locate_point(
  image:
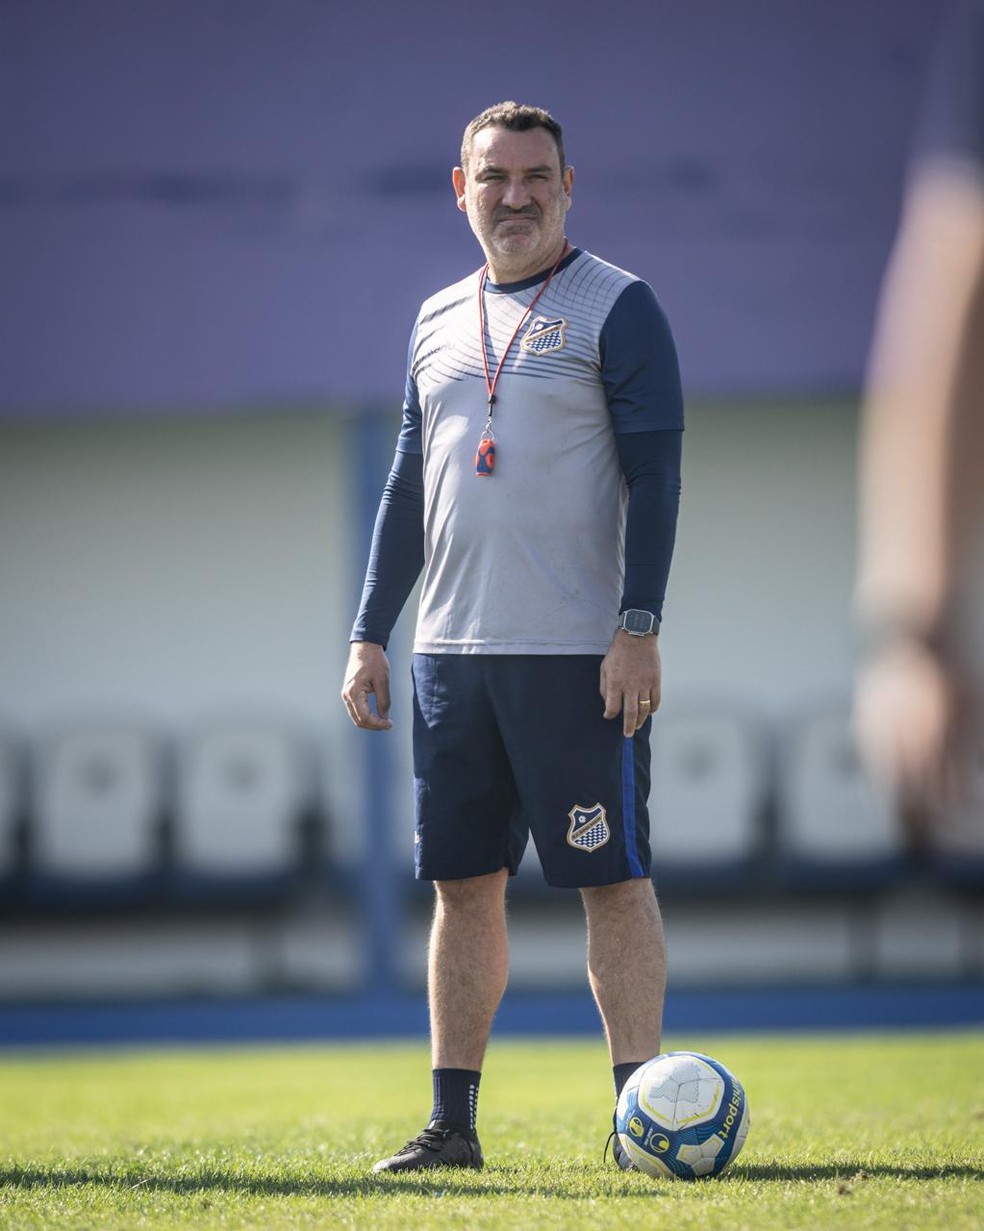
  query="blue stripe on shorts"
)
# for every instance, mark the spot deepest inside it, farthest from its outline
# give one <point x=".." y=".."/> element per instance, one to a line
<point x="629" y="807"/>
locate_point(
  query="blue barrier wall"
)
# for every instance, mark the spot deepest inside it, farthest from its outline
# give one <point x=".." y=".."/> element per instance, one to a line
<point x="207" y="204"/>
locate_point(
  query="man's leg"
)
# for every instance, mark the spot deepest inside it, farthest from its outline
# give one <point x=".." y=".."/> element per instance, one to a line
<point x="627" y="972"/>
<point x="627" y="966"/>
<point x="468" y="964"/>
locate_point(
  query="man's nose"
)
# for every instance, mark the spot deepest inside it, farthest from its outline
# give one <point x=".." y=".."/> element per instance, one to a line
<point x="517" y="194"/>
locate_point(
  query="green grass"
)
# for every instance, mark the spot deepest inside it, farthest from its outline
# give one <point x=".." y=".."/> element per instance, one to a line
<point x="847" y="1132"/>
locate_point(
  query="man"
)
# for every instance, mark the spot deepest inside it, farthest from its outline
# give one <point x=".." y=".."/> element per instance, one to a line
<point x="922" y="449"/>
<point x="541" y="435"/>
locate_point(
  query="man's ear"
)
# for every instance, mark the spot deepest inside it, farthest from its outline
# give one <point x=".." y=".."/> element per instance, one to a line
<point x="458" y="180"/>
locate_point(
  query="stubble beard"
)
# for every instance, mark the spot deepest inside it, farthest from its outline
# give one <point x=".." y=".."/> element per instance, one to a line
<point x="519" y="253"/>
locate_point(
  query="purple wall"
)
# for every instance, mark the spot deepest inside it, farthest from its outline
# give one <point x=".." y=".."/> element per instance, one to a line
<point x="234" y="203"/>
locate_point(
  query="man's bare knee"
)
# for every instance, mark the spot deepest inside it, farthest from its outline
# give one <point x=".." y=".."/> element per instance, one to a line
<point x="622" y="895"/>
<point x="471" y="891"/>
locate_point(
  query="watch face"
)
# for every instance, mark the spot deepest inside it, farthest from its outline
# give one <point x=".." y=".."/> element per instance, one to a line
<point x="638" y="622"/>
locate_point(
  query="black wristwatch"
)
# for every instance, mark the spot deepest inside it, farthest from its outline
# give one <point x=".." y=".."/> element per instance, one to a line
<point x="638" y="623"/>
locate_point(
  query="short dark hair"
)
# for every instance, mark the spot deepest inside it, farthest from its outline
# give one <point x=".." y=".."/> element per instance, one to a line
<point x="518" y="117"/>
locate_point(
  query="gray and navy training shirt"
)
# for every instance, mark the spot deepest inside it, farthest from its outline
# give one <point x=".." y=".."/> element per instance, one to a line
<point x="538" y="557"/>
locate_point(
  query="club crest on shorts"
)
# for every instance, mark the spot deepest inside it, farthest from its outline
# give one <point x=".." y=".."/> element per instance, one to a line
<point x="545" y="334"/>
<point x="588" y="828"/>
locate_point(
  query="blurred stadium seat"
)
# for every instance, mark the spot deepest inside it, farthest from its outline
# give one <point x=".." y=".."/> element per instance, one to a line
<point x="835" y="830"/>
<point x="96" y="813"/>
<point x="709" y="789"/>
<point x="957" y="837"/>
<point x="243" y="811"/>
<point x="10" y="813"/>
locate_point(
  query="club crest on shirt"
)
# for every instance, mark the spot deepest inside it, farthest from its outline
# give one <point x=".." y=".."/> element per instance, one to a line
<point x="545" y="334"/>
<point x="588" y="828"/>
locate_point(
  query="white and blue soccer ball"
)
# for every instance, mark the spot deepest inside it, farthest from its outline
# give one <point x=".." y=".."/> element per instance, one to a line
<point x="682" y="1115"/>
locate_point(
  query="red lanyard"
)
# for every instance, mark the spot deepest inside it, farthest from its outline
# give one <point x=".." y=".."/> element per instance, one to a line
<point x="490" y="380"/>
<point x="485" y="457"/>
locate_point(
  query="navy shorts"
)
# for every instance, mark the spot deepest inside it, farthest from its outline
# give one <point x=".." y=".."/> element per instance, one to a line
<point x="505" y="746"/>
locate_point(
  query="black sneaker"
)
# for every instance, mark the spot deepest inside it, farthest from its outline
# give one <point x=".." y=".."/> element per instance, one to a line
<point x="618" y="1151"/>
<point x="441" y="1144"/>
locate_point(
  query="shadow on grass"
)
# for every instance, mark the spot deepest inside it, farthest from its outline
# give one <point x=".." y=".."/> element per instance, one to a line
<point x="849" y="1171"/>
<point x="502" y="1181"/>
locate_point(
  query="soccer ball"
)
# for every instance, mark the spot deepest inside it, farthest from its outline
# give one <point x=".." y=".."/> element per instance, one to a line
<point x="682" y="1115"/>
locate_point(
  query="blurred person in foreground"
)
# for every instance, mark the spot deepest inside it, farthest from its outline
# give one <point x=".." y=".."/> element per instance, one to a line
<point x="922" y="452"/>
<point x="536" y="482"/>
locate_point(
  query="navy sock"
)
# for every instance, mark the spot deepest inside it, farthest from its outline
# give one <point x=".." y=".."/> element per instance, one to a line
<point x="622" y="1073"/>
<point x="456" y="1096"/>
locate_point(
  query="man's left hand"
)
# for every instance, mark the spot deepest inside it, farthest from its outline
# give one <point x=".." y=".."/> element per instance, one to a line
<point x="630" y="679"/>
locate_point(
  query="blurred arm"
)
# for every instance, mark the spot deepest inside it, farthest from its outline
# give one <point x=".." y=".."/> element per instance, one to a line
<point x="921" y="474"/>
<point x="919" y="468"/>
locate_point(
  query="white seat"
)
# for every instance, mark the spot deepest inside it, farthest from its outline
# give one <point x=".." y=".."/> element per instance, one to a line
<point x="242" y="788"/>
<point x="97" y="803"/>
<point x="831" y="815"/>
<point x="708" y="783"/>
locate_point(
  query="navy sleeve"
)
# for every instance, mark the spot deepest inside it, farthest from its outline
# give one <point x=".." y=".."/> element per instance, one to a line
<point x="641" y="376"/>
<point x="639" y="367"/>
<point x="411" y="440"/>
<point x="397" y="552"/>
<point x="650" y="462"/>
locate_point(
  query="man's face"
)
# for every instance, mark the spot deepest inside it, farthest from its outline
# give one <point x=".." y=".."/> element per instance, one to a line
<point x="516" y="198"/>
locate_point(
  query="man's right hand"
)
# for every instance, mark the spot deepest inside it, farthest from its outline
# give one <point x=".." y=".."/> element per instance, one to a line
<point x="367" y="673"/>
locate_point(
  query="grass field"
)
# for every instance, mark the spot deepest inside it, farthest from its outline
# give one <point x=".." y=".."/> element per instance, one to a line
<point x="847" y="1132"/>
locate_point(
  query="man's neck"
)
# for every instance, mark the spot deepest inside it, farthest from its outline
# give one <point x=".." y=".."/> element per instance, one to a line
<point x="504" y="271"/>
